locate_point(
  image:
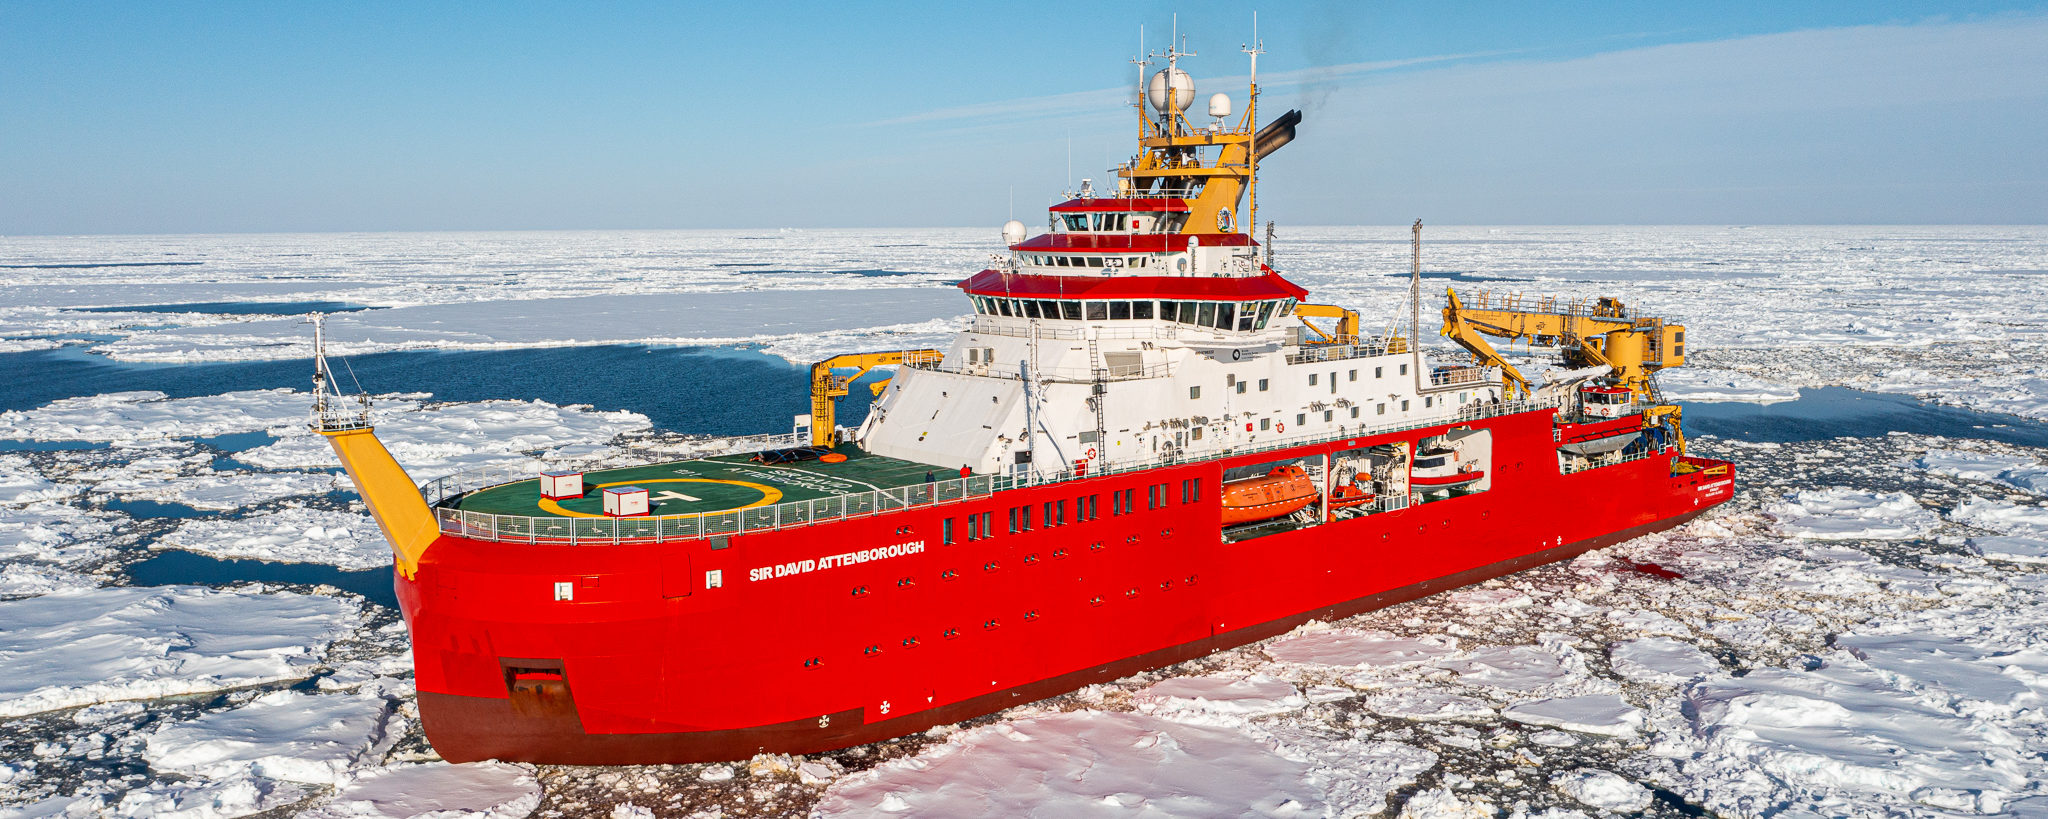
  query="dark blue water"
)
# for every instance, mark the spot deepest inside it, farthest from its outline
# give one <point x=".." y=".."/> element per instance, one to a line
<point x="153" y="509"/>
<point x="236" y="308"/>
<point x="705" y="390"/>
<point x="1832" y="412"/>
<point x="49" y="446"/>
<point x="237" y="441"/>
<point x="176" y="567"/>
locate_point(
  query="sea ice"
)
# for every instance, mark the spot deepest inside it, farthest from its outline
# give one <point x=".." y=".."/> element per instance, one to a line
<point x="456" y="437"/>
<point x="1602" y="789"/>
<point x="350" y="540"/>
<point x="311" y="738"/>
<point x="1083" y="763"/>
<point x="1228" y="694"/>
<point x="2011" y="547"/>
<point x="1428" y="705"/>
<point x="1589" y="714"/>
<point x="223" y="491"/>
<point x="435" y="790"/>
<point x="1841" y="513"/>
<point x="123" y="416"/>
<point x="1660" y="660"/>
<point x="1711" y="384"/>
<point x="20" y="483"/>
<point x="75" y="648"/>
<point x="237" y="795"/>
<point x="2018" y="472"/>
<point x="1349" y="647"/>
<point x="1515" y="668"/>
<point x="55" y="532"/>
<point x="2002" y="516"/>
<point x="24" y="579"/>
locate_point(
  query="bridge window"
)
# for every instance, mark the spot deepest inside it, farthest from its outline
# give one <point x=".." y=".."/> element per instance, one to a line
<point x="1075" y="221"/>
<point x="1246" y="316"/>
<point x="1119" y="311"/>
<point x="1206" y="314"/>
<point x="1265" y="314"/>
<point x="1097" y="311"/>
<point x="1031" y="309"/>
<point x="1141" y="309"/>
<point x="1226" y="314"/>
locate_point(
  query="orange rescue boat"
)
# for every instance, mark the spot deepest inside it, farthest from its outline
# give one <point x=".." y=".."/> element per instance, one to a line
<point x="1283" y="491"/>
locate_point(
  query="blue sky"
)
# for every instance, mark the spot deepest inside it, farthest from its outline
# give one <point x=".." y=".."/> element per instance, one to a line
<point x="226" y="117"/>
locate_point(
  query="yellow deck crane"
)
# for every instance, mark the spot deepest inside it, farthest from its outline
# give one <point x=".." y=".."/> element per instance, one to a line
<point x="827" y="386"/>
<point x="1591" y="333"/>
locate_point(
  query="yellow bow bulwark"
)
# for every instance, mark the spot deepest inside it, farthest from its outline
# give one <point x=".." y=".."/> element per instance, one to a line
<point x="393" y="499"/>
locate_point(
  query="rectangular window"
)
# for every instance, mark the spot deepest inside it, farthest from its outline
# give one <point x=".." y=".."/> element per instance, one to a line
<point x="1063" y="261"/>
<point x="1328" y="415"/>
<point x="1013" y="521"/>
<point x="1116" y="504"/>
<point x="1246" y="312"/>
<point x="1071" y="309"/>
<point x="1311" y="379"/>
<point x="1049" y="309"/>
<point x="1265" y="313"/>
<point x="1354" y="412"/>
<point x="1265" y="424"/>
<point x="1097" y="311"/>
<point x="1240" y="387"/>
<point x="1187" y="312"/>
<point x="973" y="528"/>
<point x="1169" y="311"/>
<point x="1404" y="405"/>
<point x="946" y="531"/>
<point x="1205" y="314"/>
<point x="1428" y="401"/>
<point x="1063" y="513"/>
<point x="1119" y="311"/>
<point x="1093" y="512"/>
<point x="1003" y="306"/>
<point x="1141" y="309"/>
<point x="1262" y="385"/>
<point x="1379" y="372"/>
<point x="1194" y="393"/>
<point x="1196" y="433"/>
<point x="1226" y="316"/>
<point x="1333" y="383"/>
<point x="1404" y="369"/>
<point x="1048" y="515"/>
<point x="1354" y="376"/>
<point x="1301" y="419"/>
<point x="1027" y="517"/>
<point x="1383" y="410"/>
<point x="1031" y="309"/>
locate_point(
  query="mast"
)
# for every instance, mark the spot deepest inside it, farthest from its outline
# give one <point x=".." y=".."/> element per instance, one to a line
<point x="1251" y="117"/>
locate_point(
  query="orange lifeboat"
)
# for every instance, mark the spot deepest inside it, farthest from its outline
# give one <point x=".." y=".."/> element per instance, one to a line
<point x="1283" y="491"/>
<point x="1350" y="495"/>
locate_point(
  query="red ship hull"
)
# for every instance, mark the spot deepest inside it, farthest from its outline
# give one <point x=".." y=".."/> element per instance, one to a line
<point x="646" y="665"/>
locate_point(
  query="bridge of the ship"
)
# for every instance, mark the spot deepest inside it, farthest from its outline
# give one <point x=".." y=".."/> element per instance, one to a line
<point x="712" y="485"/>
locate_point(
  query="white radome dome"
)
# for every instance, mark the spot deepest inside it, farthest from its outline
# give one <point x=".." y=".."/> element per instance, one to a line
<point x="1219" y="105"/>
<point x="1013" y="232"/>
<point x="1183" y="89"/>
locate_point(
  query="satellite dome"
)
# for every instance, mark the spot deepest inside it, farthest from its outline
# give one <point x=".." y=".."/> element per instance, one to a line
<point x="1219" y="105"/>
<point x="1013" y="232"/>
<point x="1183" y="89"/>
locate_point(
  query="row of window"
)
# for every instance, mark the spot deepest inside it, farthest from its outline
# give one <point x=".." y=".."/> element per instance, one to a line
<point x="1232" y="381"/>
<point x="981" y="525"/>
<point x="1243" y="316"/>
<point x="1119" y="222"/>
<point x="1095" y="262"/>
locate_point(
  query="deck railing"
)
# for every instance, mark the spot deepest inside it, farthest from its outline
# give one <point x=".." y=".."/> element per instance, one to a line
<point x="571" y="530"/>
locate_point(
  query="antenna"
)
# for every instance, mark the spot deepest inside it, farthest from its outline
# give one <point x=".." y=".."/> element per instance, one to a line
<point x="1251" y="119"/>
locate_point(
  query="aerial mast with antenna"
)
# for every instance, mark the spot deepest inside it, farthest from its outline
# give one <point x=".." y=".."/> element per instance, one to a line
<point x="1251" y="118"/>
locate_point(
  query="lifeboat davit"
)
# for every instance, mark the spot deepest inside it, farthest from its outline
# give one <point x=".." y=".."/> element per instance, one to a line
<point x="1350" y="495"/>
<point x="1278" y="493"/>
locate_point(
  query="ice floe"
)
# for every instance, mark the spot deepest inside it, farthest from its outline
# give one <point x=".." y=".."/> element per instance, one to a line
<point x="1349" y="647"/>
<point x="349" y="540"/>
<point x="1084" y="763"/>
<point x="435" y="790"/>
<point x="223" y="491"/>
<point x="1230" y="694"/>
<point x="2016" y="471"/>
<point x="75" y="648"/>
<point x="239" y="795"/>
<point x="123" y="416"/>
<point x="1589" y="714"/>
<point x="1842" y="513"/>
<point x="1603" y="790"/>
<point x="54" y="532"/>
<point x="456" y="437"/>
<point x="1660" y="660"/>
<point x="20" y="483"/>
<point x="310" y="738"/>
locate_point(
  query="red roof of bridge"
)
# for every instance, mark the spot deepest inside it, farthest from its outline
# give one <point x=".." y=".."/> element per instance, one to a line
<point x="1026" y="285"/>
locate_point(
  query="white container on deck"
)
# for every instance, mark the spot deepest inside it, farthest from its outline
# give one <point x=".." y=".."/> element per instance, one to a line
<point x="625" y="501"/>
<point x="561" y="485"/>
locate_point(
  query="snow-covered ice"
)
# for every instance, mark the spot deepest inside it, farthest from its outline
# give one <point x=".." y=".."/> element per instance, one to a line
<point x="457" y="437"/>
<point x="2016" y="471"/>
<point x="350" y="540"/>
<point x="20" y="483"/>
<point x="482" y="790"/>
<point x="1228" y="694"/>
<point x="1842" y="513"/>
<point x="310" y="738"/>
<point x="1590" y="714"/>
<point x="1083" y="764"/>
<point x="1660" y="660"/>
<point x="74" y="648"/>
<point x="1603" y="790"/>
<point x="124" y="416"/>
<point x="1346" y="647"/>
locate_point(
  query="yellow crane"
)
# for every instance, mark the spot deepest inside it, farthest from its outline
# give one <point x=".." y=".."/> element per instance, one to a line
<point x="1347" y="322"/>
<point x="1592" y="333"/>
<point x="827" y="386"/>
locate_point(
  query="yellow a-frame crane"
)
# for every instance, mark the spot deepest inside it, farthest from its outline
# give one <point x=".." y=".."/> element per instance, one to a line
<point x="827" y="387"/>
